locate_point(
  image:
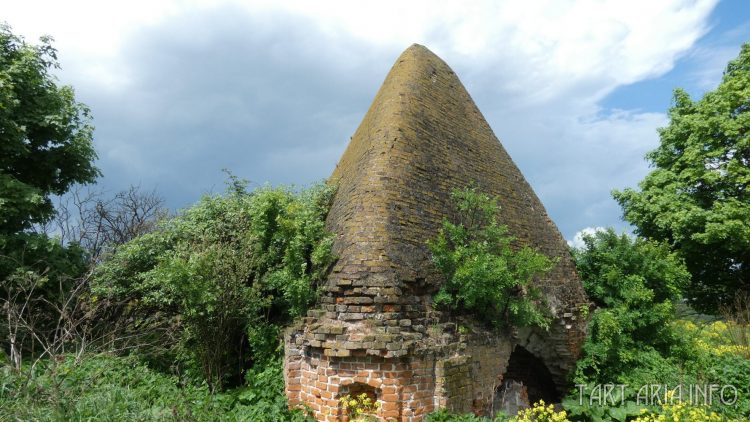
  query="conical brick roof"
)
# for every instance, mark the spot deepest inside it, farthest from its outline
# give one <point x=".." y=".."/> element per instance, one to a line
<point x="422" y="137"/>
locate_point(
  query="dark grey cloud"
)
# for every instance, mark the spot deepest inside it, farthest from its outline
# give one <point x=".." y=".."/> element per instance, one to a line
<point x="274" y="98"/>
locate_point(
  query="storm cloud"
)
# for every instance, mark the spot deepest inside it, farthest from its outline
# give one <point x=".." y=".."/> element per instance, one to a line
<point x="273" y="93"/>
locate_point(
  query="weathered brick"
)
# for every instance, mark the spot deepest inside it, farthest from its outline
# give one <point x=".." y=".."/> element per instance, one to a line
<point x="422" y="137"/>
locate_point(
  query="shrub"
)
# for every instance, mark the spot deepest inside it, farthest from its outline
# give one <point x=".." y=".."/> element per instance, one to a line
<point x="485" y="275"/>
<point x="633" y="282"/>
<point x="102" y="387"/>
<point x="634" y="338"/>
<point x="229" y="272"/>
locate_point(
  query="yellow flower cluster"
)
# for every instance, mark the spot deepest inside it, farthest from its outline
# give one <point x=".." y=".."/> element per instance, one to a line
<point x="717" y="337"/>
<point x="359" y="408"/>
<point x="682" y="413"/>
<point x="734" y="349"/>
<point x="540" y="413"/>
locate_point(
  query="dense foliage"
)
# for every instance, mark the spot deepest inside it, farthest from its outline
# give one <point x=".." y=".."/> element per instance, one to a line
<point x="634" y="337"/>
<point x="45" y="148"/>
<point x="109" y="388"/>
<point x="229" y="273"/>
<point x="45" y="134"/>
<point x="633" y="283"/>
<point x="196" y="306"/>
<point x="697" y="198"/>
<point x="484" y="274"/>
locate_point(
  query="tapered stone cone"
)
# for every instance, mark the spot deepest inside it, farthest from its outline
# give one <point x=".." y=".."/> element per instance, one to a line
<point x="422" y="137"/>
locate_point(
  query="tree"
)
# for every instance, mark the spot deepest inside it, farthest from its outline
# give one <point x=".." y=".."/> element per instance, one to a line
<point x="697" y="199"/>
<point x="100" y="223"/>
<point x="45" y="134"/>
<point x="633" y="282"/>
<point x="45" y="148"/>
<point x="484" y="275"/>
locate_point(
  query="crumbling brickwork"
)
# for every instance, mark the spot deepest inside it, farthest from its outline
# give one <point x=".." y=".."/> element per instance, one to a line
<point x="375" y="327"/>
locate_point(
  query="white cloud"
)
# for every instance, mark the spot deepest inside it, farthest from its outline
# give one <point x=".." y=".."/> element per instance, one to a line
<point x="536" y="69"/>
<point x="552" y="45"/>
<point x="577" y="241"/>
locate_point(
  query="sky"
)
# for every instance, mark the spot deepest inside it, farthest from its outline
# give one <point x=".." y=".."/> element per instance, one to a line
<point x="272" y="91"/>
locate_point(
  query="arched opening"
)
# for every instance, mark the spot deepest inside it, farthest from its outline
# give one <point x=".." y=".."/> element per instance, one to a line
<point x="362" y="400"/>
<point x="526" y="381"/>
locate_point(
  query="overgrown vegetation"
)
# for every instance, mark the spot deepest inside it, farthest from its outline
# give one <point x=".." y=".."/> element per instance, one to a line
<point x="636" y="339"/>
<point x="697" y="199"/>
<point x="538" y="412"/>
<point x="227" y="274"/>
<point x="45" y="148"/>
<point x="633" y="283"/>
<point x="114" y="310"/>
<point x="102" y="387"/>
<point x="485" y="275"/>
<point x="196" y="306"/>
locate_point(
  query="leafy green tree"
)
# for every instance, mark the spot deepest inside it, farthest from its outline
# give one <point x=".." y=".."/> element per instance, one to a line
<point x="45" y="148"/>
<point x="230" y="272"/>
<point x="633" y="282"/>
<point x="634" y="337"/>
<point x="697" y="198"/>
<point x="45" y="134"/>
<point x="484" y="274"/>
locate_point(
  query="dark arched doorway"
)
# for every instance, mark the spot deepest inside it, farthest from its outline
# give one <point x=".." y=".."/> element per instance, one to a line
<point x="526" y="381"/>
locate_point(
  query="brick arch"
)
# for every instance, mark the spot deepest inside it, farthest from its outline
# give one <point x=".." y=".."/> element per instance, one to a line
<point x="552" y="349"/>
<point x="526" y="367"/>
<point x="372" y="383"/>
<point x="526" y="380"/>
<point x="354" y="389"/>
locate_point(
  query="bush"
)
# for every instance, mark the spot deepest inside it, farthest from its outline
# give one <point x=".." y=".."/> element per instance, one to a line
<point x="633" y="282"/>
<point x="485" y="275"/>
<point x="634" y="338"/>
<point x="103" y="387"/>
<point x="228" y="272"/>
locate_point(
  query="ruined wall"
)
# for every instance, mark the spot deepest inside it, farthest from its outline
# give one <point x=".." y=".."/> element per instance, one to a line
<point x="404" y="387"/>
<point x="467" y="379"/>
<point x="461" y="376"/>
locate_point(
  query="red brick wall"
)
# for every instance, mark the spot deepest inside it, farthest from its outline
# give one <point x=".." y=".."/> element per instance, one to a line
<point x="460" y="377"/>
<point x="404" y="388"/>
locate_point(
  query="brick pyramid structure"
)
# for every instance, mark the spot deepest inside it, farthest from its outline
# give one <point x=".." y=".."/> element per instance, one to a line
<point x="375" y="330"/>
